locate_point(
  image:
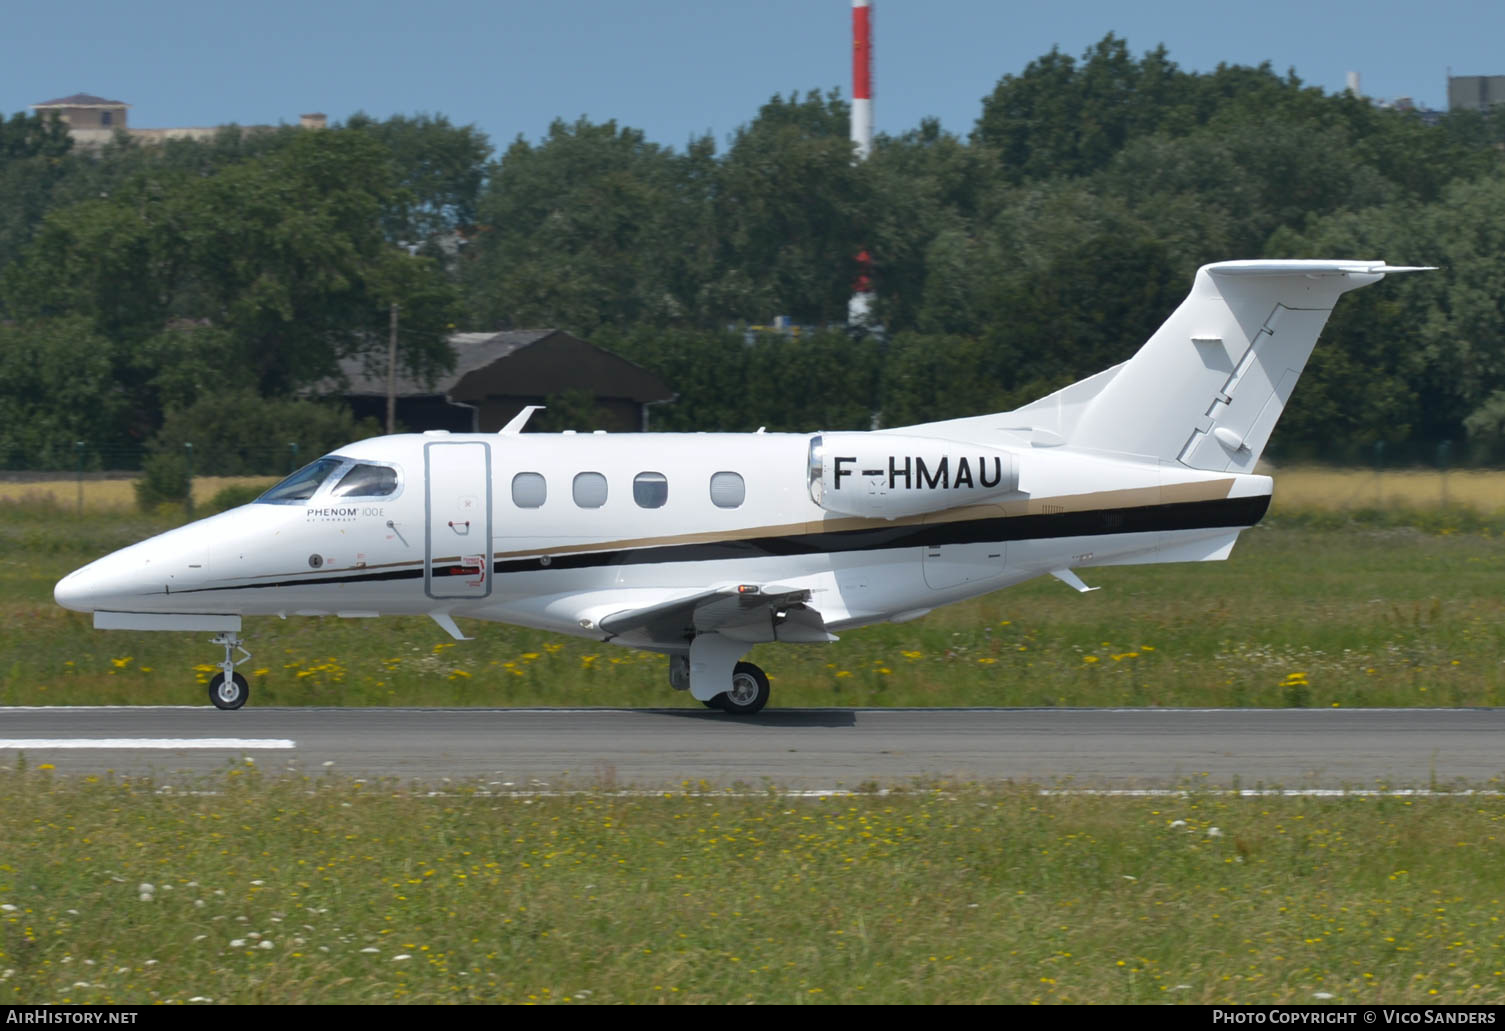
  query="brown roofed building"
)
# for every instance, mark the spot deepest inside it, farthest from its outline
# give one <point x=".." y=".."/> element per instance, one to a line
<point x="84" y="111"/>
<point x="94" y="122"/>
<point x="497" y="374"/>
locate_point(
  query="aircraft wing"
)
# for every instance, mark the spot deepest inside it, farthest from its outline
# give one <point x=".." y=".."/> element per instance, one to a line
<point x="744" y="612"/>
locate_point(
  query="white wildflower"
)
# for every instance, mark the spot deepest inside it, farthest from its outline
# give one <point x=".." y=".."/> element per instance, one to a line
<point x="402" y="956"/>
<point x="1323" y="995"/>
<point x="237" y="943"/>
<point x="1178" y="823"/>
<point x="370" y="949"/>
<point x="7" y="908"/>
<point x="1213" y="832"/>
<point x="266" y="944"/>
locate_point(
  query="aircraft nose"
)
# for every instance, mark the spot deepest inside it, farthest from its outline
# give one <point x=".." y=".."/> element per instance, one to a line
<point x="77" y="590"/>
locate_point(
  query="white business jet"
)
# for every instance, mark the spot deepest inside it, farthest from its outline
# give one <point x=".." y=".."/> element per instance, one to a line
<point x="700" y="545"/>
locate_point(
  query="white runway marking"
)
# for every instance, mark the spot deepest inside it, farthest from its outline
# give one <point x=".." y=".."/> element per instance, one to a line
<point x="236" y="743"/>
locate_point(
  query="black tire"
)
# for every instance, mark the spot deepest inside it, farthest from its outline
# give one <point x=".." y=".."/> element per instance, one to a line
<point x="714" y="703"/>
<point x="749" y="691"/>
<point x="233" y="695"/>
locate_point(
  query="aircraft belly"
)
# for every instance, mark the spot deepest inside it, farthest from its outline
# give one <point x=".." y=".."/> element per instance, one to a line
<point x="949" y="565"/>
<point x="1042" y="556"/>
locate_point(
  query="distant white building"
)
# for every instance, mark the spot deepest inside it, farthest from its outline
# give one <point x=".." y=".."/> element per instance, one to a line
<point x="93" y="121"/>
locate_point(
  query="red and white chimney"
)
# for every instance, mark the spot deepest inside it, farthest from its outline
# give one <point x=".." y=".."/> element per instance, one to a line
<point x="862" y="77"/>
<point x="860" y="307"/>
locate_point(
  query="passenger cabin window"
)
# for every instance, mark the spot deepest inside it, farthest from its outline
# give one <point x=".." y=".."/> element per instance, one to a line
<point x="367" y="481"/>
<point x="728" y="490"/>
<point x="590" y="490"/>
<point x="301" y="485"/>
<point x="650" y="490"/>
<point x="529" y="490"/>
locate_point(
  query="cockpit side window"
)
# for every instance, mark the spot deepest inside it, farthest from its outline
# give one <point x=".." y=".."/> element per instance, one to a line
<point x="301" y="485"/>
<point x="367" y="481"/>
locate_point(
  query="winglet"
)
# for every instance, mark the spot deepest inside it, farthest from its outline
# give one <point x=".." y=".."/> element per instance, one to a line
<point x="1071" y="580"/>
<point x="517" y="422"/>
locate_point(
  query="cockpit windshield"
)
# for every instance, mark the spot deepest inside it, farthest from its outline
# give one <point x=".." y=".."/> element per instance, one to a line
<point x="367" y="481"/>
<point x="301" y="485"/>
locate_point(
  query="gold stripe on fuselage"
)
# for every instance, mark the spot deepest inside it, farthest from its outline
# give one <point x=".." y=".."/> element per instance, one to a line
<point x="1132" y="497"/>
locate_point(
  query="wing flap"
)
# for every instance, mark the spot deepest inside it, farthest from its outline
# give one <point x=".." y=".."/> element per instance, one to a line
<point x="743" y="612"/>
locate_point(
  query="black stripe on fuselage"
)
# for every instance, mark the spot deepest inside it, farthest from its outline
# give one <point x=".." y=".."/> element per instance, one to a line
<point x="1187" y="515"/>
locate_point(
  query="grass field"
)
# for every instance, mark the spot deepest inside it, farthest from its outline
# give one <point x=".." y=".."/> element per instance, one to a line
<point x="112" y="497"/>
<point x="330" y="891"/>
<point x="1306" y="613"/>
<point x="1313" y="487"/>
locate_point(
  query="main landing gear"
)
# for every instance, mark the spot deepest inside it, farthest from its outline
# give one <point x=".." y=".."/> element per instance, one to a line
<point x="228" y="689"/>
<point x="747" y="694"/>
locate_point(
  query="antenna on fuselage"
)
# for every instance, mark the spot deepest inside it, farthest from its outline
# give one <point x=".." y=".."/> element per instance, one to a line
<point x="515" y="426"/>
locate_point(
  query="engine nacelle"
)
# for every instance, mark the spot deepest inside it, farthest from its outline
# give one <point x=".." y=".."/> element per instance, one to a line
<point x="885" y="476"/>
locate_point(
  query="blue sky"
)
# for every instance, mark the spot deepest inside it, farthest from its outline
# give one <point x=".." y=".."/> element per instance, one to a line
<point x="676" y="69"/>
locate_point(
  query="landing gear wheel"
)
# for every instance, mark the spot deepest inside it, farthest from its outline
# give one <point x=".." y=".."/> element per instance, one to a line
<point x="749" y="691"/>
<point x="231" y="694"/>
<point x="719" y="702"/>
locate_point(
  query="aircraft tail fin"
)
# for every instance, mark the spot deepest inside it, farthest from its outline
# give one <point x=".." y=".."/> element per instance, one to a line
<point x="1206" y="389"/>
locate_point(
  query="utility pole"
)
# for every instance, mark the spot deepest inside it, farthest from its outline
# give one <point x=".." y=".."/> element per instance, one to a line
<point x="392" y="374"/>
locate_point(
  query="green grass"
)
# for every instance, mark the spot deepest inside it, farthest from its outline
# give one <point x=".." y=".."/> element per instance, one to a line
<point x="314" y="890"/>
<point x="1305" y="614"/>
<point x="271" y="889"/>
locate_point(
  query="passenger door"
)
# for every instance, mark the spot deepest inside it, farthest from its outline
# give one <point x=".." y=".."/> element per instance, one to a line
<point x="457" y="506"/>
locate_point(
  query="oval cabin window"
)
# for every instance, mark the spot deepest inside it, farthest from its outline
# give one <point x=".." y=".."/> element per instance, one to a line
<point x="529" y="490"/>
<point x="728" y="490"/>
<point x="650" y="490"/>
<point x="590" y="490"/>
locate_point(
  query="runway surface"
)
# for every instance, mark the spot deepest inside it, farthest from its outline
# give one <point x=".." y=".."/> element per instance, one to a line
<point x="789" y="748"/>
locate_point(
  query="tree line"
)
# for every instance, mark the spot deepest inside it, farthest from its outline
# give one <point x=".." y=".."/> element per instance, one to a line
<point x="154" y="293"/>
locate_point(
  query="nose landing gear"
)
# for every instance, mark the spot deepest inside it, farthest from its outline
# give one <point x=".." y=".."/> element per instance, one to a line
<point x="228" y="689"/>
